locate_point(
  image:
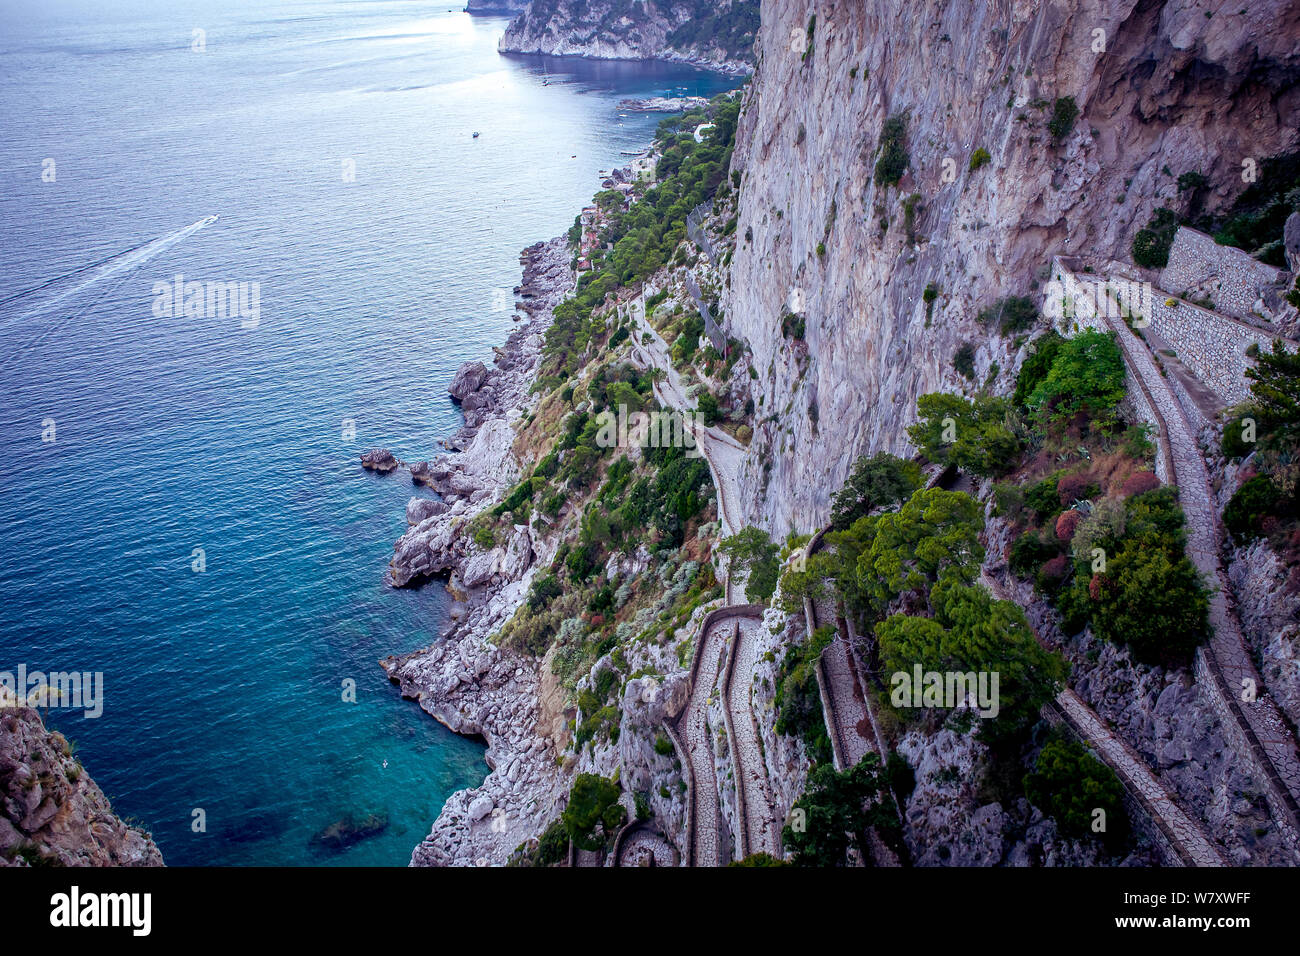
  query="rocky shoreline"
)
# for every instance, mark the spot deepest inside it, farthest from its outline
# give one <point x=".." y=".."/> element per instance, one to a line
<point x="51" y="812"/>
<point x="464" y="680"/>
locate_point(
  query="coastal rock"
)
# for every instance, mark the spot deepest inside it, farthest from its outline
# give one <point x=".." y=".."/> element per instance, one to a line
<point x="479" y="808"/>
<point x="379" y="459"/>
<point x="51" y="811"/>
<point x="713" y="34"/>
<point x="469" y="378"/>
<point x="422" y="509"/>
<point x="480" y="568"/>
<point x="466" y="681"/>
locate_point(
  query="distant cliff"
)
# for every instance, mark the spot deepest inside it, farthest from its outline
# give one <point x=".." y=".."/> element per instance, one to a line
<point x="499" y="7"/>
<point x="715" y="34"/>
<point x="51" y="812"/>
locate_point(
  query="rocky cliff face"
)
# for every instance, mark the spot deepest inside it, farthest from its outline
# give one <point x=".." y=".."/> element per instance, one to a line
<point x="496" y="7"/>
<point x="717" y="34"/>
<point x="1163" y="87"/>
<point x="51" y="812"/>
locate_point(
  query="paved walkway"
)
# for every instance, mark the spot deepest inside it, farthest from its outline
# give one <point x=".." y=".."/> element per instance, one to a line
<point x="1225" y="660"/>
<point x="1180" y="828"/>
<point x="724" y="454"/>
<point x="737" y="624"/>
<point x="760" y="830"/>
<point x="704" y="819"/>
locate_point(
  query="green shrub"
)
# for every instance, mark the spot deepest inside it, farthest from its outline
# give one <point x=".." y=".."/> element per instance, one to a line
<point x="881" y="480"/>
<point x="593" y="805"/>
<point x="755" y="556"/>
<point x="1036" y="366"/>
<point x="1010" y="315"/>
<point x="1151" y="244"/>
<point x="1087" y="376"/>
<point x="1233" y="442"/>
<point x="1254" y="501"/>
<point x="710" y="410"/>
<point x="980" y="158"/>
<point x="1030" y="552"/>
<point x="1064" y="113"/>
<point x="792" y="326"/>
<point x="964" y="360"/>
<point x="1275" y="385"/>
<point x="972" y="434"/>
<point x="972" y="631"/>
<point x="552" y="848"/>
<point x="1149" y="596"/>
<point x="797" y="698"/>
<point x="838" y="809"/>
<point x="1069" y="784"/>
<point x="893" y="159"/>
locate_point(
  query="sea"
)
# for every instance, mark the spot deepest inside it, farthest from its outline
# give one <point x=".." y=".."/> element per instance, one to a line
<point x="181" y="506"/>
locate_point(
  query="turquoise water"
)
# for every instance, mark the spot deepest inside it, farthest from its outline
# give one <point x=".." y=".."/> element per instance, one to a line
<point x="223" y="688"/>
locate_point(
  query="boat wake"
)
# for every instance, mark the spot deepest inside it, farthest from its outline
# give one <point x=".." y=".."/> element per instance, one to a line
<point x="26" y="308"/>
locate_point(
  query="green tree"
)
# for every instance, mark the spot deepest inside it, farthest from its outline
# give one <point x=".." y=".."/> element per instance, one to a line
<point x="757" y="557"/>
<point x="1036" y="366"/>
<point x="975" y="435"/>
<point x="971" y="631"/>
<point x="934" y="531"/>
<point x="1087" y="376"/>
<point x="1275" y="384"/>
<point x="593" y="804"/>
<point x="837" y="810"/>
<point x="1069" y="784"/>
<point x="880" y="480"/>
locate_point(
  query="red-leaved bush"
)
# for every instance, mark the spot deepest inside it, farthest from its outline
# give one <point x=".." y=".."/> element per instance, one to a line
<point x="1066" y="524"/>
<point x="1074" y="488"/>
<point x="1139" y="482"/>
<point x="1055" y="570"/>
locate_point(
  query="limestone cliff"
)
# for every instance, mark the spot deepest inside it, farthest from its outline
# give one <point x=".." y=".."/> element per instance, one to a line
<point x="1163" y="87"/>
<point x="716" y="34"/>
<point x="496" y="7"/>
<point x="51" y="812"/>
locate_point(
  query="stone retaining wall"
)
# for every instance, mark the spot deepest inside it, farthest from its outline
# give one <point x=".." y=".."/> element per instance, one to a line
<point x="1230" y="277"/>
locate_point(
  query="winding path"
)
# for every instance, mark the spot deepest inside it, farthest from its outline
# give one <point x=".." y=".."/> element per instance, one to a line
<point x="759" y="828"/>
<point x="1224" y="663"/>
<point x="735" y="625"/>
<point x="694" y="740"/>
<point x="1184" y="835"/>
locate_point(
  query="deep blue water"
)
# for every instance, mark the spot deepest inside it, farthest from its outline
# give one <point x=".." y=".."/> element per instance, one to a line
<point x="224" y="688"/>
